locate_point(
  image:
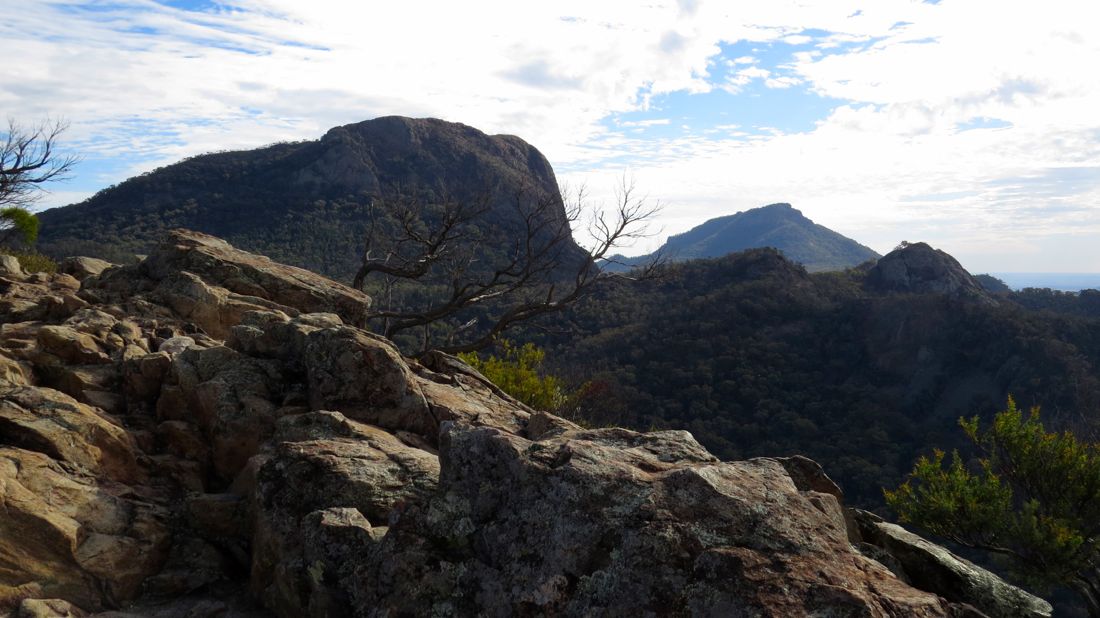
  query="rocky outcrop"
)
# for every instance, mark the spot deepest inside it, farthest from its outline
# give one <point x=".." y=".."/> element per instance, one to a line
<point x="918" y="268"/>
<point x="932" y="567"/>
<point x="82" y="267"/>
<point x="323" y="498"/>
<point x="51" y="422"/>
<point x="614" y="522"/>
<point x="310" y="203"/>
<point x="36" y="296"/>
<point x="68" y="534"/>
<point x="209" y="433"/>
<point x="206" y="281"/>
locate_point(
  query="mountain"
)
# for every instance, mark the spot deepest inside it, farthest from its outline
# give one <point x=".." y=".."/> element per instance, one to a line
<point x="861" y="370"/>
<point x="208" y="433"/>
<point x="917" y="268"/>
<point x="779" y="225"/>
<point x="310" y="203"/>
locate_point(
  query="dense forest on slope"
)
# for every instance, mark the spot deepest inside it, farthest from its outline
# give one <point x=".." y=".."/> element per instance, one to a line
<point x="757" y="357"/>
<point x="780" y="226"/>
<point x="310" y="203"/>
<point x="750" y="352"/>
<point x="1085" y="303"/>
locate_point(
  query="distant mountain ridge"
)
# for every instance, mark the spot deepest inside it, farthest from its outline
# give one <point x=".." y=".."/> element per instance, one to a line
<point x="309" y="203"/>
<point x="860" y="369"/>
<point x="780" y="226"/>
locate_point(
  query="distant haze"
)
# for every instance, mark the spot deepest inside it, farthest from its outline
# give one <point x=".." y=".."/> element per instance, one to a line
<point x="1066" y="282"/>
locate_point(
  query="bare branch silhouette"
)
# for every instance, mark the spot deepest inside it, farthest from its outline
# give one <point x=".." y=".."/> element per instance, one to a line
<point x="543" y="271"/>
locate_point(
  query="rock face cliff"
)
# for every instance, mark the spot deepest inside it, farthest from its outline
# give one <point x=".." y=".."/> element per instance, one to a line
<point x="210" y="433"/>
<point x="311" y="203"/>
<point x="918" y="268"/>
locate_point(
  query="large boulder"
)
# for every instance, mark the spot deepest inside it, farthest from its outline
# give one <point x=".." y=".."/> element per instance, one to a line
<point x="50" y="422"/>
<point x="616" y="522"/>
<point x="456" y="392"/>
<point x="918" y="268"/>
<point x="82" y="267"/>
<point x="232" y="400"/>
<point x="37" y="296"/>
<point x="206" y="280"/>
<point x="14" y="372"/>
<point x="343" y="368"/>
<point x="323" y="498"/>
<point x="932" y="567"/>
<point x="71" y="346"/>
<point x="65" y="534"/>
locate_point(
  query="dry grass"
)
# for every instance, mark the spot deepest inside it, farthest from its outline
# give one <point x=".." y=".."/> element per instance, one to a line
<point x="32" y="262"/>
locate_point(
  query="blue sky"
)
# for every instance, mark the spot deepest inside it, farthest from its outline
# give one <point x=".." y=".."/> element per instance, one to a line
<point x="969" y="124"/>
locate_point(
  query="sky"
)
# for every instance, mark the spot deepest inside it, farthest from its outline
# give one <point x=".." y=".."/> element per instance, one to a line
<point x="972" y="125"/>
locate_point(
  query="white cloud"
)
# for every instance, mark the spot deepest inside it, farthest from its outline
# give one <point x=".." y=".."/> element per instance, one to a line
<point x="892" y="163"/>
<point x="646" y="123"/>
<point x="158" y="83"/>
<point x="743" y="77"/>
<point x="797" y="39"/>
<point x="502" y="67"/>
<point x="781" y="81"/>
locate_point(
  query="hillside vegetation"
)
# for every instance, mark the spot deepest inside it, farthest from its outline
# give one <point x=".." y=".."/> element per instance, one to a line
<point x="310" y="203"/>
<point x="755" y="357"/>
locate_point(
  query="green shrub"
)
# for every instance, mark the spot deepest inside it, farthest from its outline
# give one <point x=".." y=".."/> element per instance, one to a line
<point x="1032" y="498"/>
<point x="17" y="224"/>
<point x="518" y="372"/>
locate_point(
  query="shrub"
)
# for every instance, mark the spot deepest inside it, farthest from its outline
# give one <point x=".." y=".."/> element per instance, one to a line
<point x="518" y="372"/>
<point x="1032" y="497"/>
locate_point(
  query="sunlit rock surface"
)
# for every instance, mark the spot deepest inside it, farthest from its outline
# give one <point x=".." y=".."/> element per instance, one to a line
<point x="209" y="433"/>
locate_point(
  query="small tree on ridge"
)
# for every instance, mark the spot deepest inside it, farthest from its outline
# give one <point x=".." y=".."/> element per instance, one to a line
<point x="28" y="160"/>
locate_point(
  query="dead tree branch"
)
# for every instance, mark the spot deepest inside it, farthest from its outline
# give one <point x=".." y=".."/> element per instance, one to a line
<point x="541" y="271"/>
<point x="28" y="159"/>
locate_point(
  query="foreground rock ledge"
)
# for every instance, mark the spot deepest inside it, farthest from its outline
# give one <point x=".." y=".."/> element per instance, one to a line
<point x="209" y="433"/>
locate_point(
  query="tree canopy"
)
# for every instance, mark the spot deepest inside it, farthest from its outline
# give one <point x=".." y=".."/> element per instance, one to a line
<point x="17" y="224"/>
<point x="1032" y="497"/>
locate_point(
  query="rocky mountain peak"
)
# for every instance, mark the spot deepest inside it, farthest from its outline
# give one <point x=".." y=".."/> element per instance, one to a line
<point x="780" y="207"/>
<point x="779" y="226"/>
<point x="211" y="433"/>
<point x="428" y="153"/>
<point x="311" y="203"/>
<point x="918" y="268"/>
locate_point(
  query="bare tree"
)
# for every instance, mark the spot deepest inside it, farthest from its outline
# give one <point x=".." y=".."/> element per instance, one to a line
<point x="444" y="245"/>
<point x="28" y="160"/>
